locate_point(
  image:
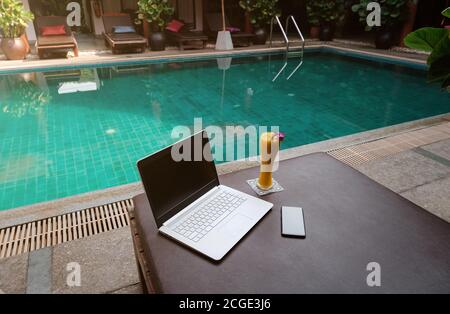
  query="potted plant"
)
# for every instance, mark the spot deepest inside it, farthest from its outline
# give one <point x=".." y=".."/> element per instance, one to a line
<point x="313" y="19"/>
<point x="325" y="13"/>
<point x="408" y="25"/>
<point x="261" y="13"/>
<point x="393" y="13"/>
<point x="437" y="42"/>
<point x="13" y="21"/>
<point x="157" y="13"/>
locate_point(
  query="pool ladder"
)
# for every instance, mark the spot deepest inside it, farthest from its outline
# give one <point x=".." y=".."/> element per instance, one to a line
<point x="285" y="31"/>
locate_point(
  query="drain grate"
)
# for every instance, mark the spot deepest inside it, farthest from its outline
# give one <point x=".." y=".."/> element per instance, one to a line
<point x="361" y="153"/>
<point x="59" y="229"/>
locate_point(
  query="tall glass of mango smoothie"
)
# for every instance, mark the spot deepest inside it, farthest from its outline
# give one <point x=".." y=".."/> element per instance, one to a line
<point x="269" y="149"/>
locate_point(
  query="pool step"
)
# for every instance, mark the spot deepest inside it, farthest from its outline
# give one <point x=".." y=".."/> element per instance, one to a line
<point x="52" y="231"/>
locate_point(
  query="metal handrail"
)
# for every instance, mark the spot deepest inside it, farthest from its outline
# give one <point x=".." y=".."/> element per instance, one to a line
<point x="285" y="31"/>
<point x="291" y="18"/>
<point x="286" y="39"/>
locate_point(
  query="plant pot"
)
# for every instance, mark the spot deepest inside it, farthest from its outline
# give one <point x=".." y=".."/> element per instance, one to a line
<point x="27" y="44"/>
<point x="14" y="48"/>
<point x="408" y="26"/>
<point x="384" y="39"/>
<point x="314" y="32"/>
<point x="326" y="32"/>
<point x="157" y="41"/>
<point x="260" y="37"/>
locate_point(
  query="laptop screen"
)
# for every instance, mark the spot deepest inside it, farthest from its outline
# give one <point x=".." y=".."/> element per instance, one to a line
<point x="176" y="176"/>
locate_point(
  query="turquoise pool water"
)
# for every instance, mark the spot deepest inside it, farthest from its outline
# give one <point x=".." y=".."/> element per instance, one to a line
<point x="55" y="144"/>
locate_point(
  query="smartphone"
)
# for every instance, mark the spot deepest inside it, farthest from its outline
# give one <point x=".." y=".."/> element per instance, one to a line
<point x="292" y="222"/>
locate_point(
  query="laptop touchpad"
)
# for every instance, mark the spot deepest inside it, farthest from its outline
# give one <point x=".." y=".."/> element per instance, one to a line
<point x="236" y="225"/>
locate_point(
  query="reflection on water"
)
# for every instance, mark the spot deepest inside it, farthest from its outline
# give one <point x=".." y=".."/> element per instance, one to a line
<point x="88" y="81"/>
<point x="23" y="94"/>
<point x="80" y="130"/>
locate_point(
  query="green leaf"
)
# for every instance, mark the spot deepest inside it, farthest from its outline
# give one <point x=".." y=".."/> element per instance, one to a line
<point x="425" y="38"/>
<point x="446" y="12"/>
<point x="439" y="69"/>
<point x="13" y="18"/>
<point x="441" y="50"/>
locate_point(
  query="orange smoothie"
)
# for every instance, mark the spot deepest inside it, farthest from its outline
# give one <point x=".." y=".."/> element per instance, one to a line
<point x="269" y="148"/>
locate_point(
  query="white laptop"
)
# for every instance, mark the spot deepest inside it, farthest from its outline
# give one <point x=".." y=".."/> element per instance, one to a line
<point x="188" y="202"/>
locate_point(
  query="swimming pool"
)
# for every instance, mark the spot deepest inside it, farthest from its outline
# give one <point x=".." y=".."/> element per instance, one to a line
<point x="65" y="132"/>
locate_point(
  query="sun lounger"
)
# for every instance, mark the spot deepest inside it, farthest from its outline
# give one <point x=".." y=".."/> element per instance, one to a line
<point x="214" y="21"/>
<point x="118" y="38"/>
<point x="188" y="39"/>
<point x="185" y="39"/>
<point x="54" y="35"/>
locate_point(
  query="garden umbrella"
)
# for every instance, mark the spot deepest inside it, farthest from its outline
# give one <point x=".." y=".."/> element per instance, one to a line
<point x="223" y="15"/>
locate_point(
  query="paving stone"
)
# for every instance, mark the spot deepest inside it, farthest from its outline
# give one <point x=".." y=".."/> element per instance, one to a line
<point x="442" y="149"/>
<point x="133" y="289"/>
<point x="404" y="171"/>
<point x="13" y="274"/>
<point x="106" y="260"/>
<point x="39" y="277"/>
<point x="434" y="197"/>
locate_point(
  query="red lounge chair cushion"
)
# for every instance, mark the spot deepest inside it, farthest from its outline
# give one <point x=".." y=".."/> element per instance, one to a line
<point x="175" y="26"/>
<point x="53" y="30"/>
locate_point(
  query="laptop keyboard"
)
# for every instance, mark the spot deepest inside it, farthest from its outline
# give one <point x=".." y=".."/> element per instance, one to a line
<point x="208" y="215"/>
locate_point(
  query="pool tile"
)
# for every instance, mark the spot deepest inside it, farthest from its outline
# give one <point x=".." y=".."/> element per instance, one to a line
<point x="88" y="141"/>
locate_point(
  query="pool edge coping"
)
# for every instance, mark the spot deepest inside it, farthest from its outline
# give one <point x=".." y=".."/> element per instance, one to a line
<point x="201" y="55"/>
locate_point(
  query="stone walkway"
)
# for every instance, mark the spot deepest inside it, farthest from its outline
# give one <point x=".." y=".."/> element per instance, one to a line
<point x="107" y="264"/>
<point x="106" y="260"/>
<point x="421" y="175"/>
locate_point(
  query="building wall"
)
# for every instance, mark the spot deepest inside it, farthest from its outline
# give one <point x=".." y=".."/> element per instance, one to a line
<point x="97" y="23"/>
<point x="187" y="14"/>
<point x="130" y="4"/>
<point x="31" y="33"/>
<point x="199" y="14"/>
<point x="111" y="6"/>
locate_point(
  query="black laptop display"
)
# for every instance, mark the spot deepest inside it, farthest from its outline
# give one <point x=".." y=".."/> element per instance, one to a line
<point x="172" y="185"/>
